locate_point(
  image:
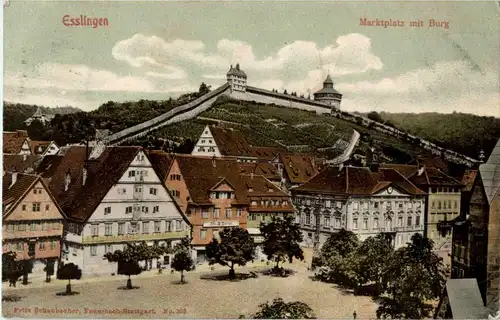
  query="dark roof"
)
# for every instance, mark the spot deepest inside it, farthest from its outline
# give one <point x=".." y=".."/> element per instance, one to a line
<point x="13" y="141"/>
<point x="231" y="142"/>
<point x="267" y="153"/>
<point x="202" y="174"/>
<point x="298" y="168"/>
<point x="11" y="194"/>
<point x="424" y="176"/>
<point x="328" y="80"/>
<point x="436" y="162"/>
<point x="20" y="163"/>
<point x="161" y="162"/>
<point x="327" y="87"/>
<point x="236" y="71"/>
<point x="357" y="181"/>
<point x="265" y="169"/>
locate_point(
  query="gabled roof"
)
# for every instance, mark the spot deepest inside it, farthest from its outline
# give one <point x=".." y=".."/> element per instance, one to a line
<point x="424" y="176"/>
<point x="357" y="181"/>
<point x="267" y="153"/>
<point x="490" y="173"/>
<point x="236" y="71"/>
<point x="11" y="194"/>
<point x="298" y="168"/>
<point x="231" y="142"/>
<point x="161" y="162"/>
<point x="20" y="163"/>
<point x="13" y="141"/>
<point x="38" y="147"/>
<point x="465" y="299"/>
<point x="265" y="169"/>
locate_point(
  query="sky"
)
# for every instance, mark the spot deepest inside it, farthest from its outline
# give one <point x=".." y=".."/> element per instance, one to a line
<point x="158" y="50"/>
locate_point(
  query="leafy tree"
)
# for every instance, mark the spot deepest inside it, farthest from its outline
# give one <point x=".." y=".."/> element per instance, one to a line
<point x="49" y="269"/>
<point x="283" y="310"/>
<point x="69" y="272"/>
<point x="340" y="244"/>
<point x="414" y="275"/>
<point x="11" y="268"/>
<point x="375" y="116"/>
<point x="281" y="240"/>
<point x="285" y="92"/>
<point x="182" y="260"/>
<point x="236" y="247"/>
<point x="204" y="89"/>
<point x="370" y="259"/>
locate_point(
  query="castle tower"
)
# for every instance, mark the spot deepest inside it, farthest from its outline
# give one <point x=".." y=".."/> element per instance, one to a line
<point x="237" y="78"/>
<point x="328" y="94"/>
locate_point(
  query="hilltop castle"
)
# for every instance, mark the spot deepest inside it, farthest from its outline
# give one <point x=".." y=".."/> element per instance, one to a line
<point x="327" y="96"/>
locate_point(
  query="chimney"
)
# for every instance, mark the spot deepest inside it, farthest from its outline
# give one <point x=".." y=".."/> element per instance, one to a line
<point x="214" y="164"/>
<point x="67" y="180"/>
<point x="420" y="170"/>
<point x="25" y="156"/>
<point x="14" y="179"/>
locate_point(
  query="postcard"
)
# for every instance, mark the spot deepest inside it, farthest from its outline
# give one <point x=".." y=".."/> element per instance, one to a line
<point x="251" y="159"/>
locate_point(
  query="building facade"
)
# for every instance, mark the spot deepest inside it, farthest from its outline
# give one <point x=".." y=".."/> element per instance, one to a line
<point x="356" y="199"/>
<point x="32" y="220"/>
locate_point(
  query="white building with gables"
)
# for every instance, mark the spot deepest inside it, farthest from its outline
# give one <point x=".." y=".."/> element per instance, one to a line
<point x="361" y="201"/>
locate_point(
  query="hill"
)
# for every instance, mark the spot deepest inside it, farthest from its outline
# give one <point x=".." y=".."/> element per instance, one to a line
<point x="14" y="114"/>
<point x="464" y="133"/>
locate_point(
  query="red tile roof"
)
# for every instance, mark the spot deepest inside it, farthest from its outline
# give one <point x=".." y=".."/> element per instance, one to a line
<point x="161" y="162"/>
<point x="426" y="176"/>
<point x="20" y="163"/>
<point x="267" y="153"/>
<point x="265" y="169"/>
<point x="298" y="168"/>
<point x="357" y="181"/>
<point x="231" y="142"/>
<point x="12" y="193"/>
<point x="13" y="141"/>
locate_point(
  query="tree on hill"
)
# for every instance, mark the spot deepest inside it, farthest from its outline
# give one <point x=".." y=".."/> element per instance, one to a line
<point x="375" y="116"/>
<point x="414" y="275"/>
<point x="37" y="130"/>
<point x="279" y="309"/>
<point x="236" y="247"/>
<point x="11" y="268"/>
<point x="204" y="89"/>
<point x="69" y="272"/>
<point x="182" y="260"/>
<point x="282" y="238"/>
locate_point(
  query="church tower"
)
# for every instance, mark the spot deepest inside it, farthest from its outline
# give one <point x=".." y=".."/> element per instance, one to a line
<point x="237" y="78"/>
<point x="328" y="94"/>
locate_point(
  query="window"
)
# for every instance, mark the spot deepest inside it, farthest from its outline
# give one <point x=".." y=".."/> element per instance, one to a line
<point x="400" y="221"/>
<point x="128" y="210"/>
<point x="53" y="245"/>
<point x="19" y="246"/>
<point x="328" y="203"/>
<point x="179" y="225"/>
<point x="439" y="204"/>
<point x="355" y="223"/>
<point x="228" y="213"/>
<point x="157" y="226"/>
<point x="365" y="223"/>
<point x="410" y="205"/>
<point x="204" y="213"/>
<point x="212" y="195"/>
<point x="355" y="205"/>
<point x="175" y="193"/>
<point x="107" y="210"/>
<point x="121" y="228"/>
<point x="22" y="227"/>
<point x="32" y="227"/>
<point x="375" y="205"/>
<point x="216" y="212"/>
<point x="337" y="222"/>
<point x="36" y="206"/>
<point x="95" y="230"/>
<point x="156" y="209"/>
<point x="108" y="229"/>
<point x="408" y="222"/>
<point x="365" y="205"/>
<point x="131" y="173"/>
<point x="433" y="204"/>
<point x="108" y="248"/>
<point x="375" y="223"/>
<point x="202" y="141"/>
<point x="93" y="250"/>
<point x="327" y="221"/>
<point x="168" y="226"/>
<point x="417" y="221"/>
<point x="24" y="207"/>
<point x="455" y="204"/>
<point x="145" y="209"/>
<point x="153" y="191"/>
<point x="133" y="228"/>
<point x="449" y="204"/>
<point x="308" y="218"/>
<point x="238" y="212"/>
<point x="388" y="224"/>
<point x="138" y="189"/>
<point x="254" y="203"/>
<point x="145" y="227"/>
<point x="41" y="245"/>
<point x="203" y="234"/>
<point x="400" y="204"/>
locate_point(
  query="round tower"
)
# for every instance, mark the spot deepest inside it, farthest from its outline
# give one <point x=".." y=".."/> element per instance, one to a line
<point x="328" y="94"/>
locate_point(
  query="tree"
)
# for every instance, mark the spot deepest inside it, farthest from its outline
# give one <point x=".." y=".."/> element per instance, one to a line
<point x="182" y="259"/>
<point x="69" y="272"/>
<point x="236" y="247"/>
<point x="370" y="259"/>
<point x="204" y="89"/>
<point x="128" y="259"/>
<point x="283" y="310"/>
<point x="375" y="116"/>
<point x="49" y="269"/>
<point x="414" y="275"/>
<point x="285" y="92"/>
<point x="11" y="268"/>
<point x="340" y="243"/>
<point x="281" y="240"/>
